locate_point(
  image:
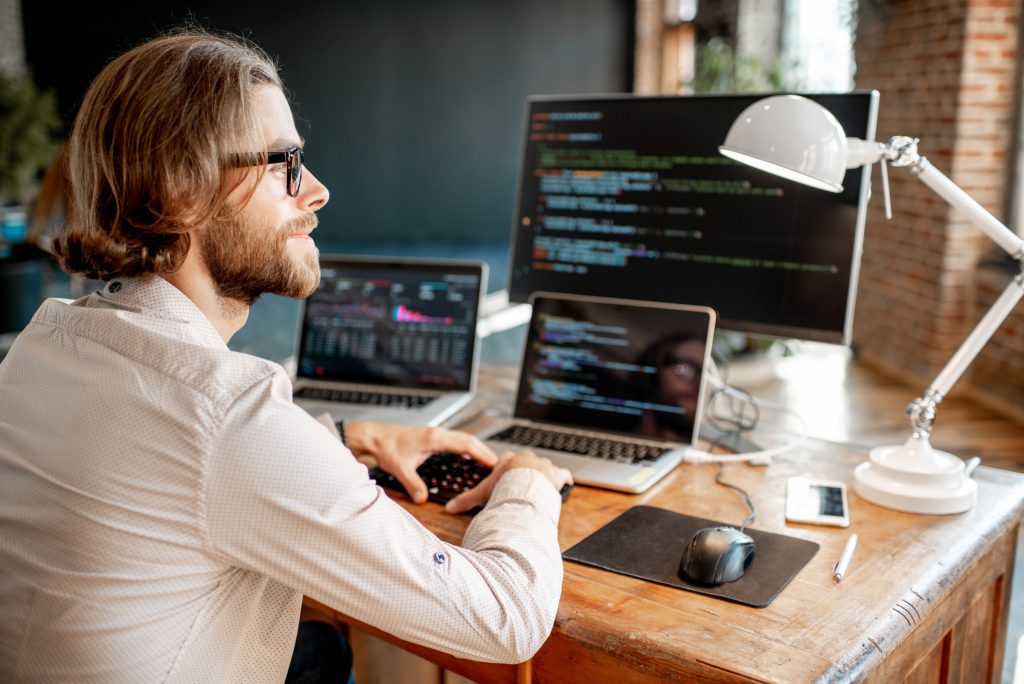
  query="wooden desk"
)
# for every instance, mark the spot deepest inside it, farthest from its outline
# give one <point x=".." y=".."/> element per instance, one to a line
<point x="926" y="598"/>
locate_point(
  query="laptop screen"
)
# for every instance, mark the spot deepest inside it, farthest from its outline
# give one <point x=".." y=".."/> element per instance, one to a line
<point x="619" y="366"/>
<point x="401" y="322"/>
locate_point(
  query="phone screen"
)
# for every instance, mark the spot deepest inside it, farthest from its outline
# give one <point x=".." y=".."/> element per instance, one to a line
<point x="819" y="502"/>
<point x="830" y="499"/>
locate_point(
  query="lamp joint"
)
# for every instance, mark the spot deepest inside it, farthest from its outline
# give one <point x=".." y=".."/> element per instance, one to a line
<point x="901" y="150"/>
<point x="921" y="413"/>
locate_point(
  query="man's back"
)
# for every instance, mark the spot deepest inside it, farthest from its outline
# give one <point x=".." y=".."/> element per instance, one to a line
<point x="164" y="506"/>
<point x="107" y="417"/>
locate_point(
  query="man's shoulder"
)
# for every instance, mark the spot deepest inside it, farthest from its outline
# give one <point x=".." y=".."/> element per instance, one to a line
<point x="222" y="374"/>
<point x="170" y="348"/>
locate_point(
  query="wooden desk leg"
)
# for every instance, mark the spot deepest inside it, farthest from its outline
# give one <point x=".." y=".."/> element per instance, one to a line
<point x="524" y="672"/>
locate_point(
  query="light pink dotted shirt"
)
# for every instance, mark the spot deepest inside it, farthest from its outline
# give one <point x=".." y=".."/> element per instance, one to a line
<point x="164" y="506"/>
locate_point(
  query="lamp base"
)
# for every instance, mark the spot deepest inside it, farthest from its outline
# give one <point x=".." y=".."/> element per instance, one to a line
<point x="916" y="478"/>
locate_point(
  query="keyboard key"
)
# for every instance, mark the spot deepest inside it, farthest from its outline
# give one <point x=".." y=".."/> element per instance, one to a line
<point x="446" y="476"/>
<point x="347" y="396"/>
<point x="598" y="447"/>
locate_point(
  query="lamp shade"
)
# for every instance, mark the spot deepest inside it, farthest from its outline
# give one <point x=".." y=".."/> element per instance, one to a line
<point x="792" y="137"/>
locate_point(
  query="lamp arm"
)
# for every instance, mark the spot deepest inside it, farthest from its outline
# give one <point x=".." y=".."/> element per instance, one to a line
<point x="1011" y="243"/>
<point x="902" y="152"/>
<point x="984" y="330"/>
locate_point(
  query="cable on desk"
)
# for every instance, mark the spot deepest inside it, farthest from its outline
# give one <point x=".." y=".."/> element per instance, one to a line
<point x="746" y="497"/>
<point x="718" y="479"/>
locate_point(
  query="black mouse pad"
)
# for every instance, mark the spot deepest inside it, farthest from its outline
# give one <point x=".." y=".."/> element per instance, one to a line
<point x="648" y="542"/>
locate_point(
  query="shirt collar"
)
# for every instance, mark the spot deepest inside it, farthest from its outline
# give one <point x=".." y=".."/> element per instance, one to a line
<point x="154" y="296"/>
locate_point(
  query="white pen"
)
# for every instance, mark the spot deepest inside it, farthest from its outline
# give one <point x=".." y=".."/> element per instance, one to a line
<point x="844" y="560"/>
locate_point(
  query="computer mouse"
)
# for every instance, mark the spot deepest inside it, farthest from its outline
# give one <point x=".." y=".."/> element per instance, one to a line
<point x="716" y="555"/>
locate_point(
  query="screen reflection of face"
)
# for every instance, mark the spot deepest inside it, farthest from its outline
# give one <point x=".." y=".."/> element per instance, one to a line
<point x="679" y="376"/>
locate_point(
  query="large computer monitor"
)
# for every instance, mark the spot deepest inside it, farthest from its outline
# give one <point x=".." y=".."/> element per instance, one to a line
<point x="628" y="196"/>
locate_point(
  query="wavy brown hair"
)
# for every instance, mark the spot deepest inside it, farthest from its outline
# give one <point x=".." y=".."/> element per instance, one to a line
<point x="153" y="148"/>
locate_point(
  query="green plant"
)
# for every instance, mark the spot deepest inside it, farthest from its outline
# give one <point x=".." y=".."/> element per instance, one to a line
<point x="720" y="71"/>
<point x="29" y="129"/>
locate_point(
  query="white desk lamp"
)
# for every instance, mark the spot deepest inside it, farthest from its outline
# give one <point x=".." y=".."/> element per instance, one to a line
<point x="798" y="139"/>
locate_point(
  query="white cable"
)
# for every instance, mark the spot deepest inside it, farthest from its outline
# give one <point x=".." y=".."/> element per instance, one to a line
<point x="695" y="456"/>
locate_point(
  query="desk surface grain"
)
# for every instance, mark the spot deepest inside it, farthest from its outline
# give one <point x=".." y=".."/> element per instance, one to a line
<point x="923" y="593"/>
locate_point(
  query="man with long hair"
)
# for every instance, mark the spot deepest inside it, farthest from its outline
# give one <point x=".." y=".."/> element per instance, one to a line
<point x="164" y="505"/>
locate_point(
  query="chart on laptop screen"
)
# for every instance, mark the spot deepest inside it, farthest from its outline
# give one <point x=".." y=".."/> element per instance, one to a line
<point x="407" y="325"/>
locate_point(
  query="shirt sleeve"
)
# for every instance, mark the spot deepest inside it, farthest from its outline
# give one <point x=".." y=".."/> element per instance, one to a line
<point x="284" y="498"/>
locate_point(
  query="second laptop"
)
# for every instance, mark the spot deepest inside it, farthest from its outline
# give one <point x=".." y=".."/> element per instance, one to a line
<point x="390" y="339"/>
<point x="611" y="389"/>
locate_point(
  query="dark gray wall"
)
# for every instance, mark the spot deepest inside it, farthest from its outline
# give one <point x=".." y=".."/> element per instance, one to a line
<point x="412" y="111"/>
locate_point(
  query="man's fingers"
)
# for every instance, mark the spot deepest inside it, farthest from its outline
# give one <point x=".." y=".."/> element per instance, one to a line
<point x="470" y="445"/>
<point x="463" y="502"/>
<point x="442" y="439"/>
<point x="566" y="476"/>
<point x="474" y="497"/>
<point x="414" y="485"/>
<point x="508" y="460"/>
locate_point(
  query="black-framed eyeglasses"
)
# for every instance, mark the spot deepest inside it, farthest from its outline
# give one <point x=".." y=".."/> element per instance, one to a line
<point x="293" y="158"/>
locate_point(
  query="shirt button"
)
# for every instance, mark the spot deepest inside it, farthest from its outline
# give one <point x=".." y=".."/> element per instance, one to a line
<point x="114" y="286"/>
<point x="439" y="558"/>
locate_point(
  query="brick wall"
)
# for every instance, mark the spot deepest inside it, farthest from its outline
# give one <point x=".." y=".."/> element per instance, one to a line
<point x="946" y="71"/>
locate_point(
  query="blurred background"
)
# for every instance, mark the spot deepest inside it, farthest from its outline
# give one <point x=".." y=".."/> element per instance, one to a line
<point x="413" y="113"/>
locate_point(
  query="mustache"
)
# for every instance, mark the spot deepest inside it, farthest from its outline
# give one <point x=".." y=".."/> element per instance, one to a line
<point x="303" y="224"/>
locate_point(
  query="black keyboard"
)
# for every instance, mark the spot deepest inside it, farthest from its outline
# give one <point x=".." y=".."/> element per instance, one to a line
<point x="346" y="396"/>
<point x="599" y="447"/>
<point x="446" y="475"/>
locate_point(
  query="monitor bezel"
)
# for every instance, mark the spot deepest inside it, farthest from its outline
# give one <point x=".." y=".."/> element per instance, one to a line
<point x="725" y="322"/>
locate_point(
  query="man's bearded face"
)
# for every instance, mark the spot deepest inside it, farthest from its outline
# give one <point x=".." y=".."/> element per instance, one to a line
<point x="246" y="258"/>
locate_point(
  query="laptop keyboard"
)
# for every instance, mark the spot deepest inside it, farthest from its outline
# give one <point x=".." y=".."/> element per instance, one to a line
<point x="347" y="396"/>
<point x="598" y="447"/>
<point x="446" y="476"/>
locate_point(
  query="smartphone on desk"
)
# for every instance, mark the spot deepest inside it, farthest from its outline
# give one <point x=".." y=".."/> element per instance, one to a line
<point x="819" y="502"/>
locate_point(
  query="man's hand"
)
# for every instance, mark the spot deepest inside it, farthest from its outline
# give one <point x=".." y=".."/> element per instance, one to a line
<point x="558" y="477"/>
<point x="400" y="449"/>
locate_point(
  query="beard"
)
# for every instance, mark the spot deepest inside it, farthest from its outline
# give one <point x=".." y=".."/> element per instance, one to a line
<point x="247" y="259"/>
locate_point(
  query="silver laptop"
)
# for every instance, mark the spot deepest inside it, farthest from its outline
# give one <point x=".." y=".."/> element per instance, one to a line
<point x="390" y="339"/>
<point x="609" y="388"/>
